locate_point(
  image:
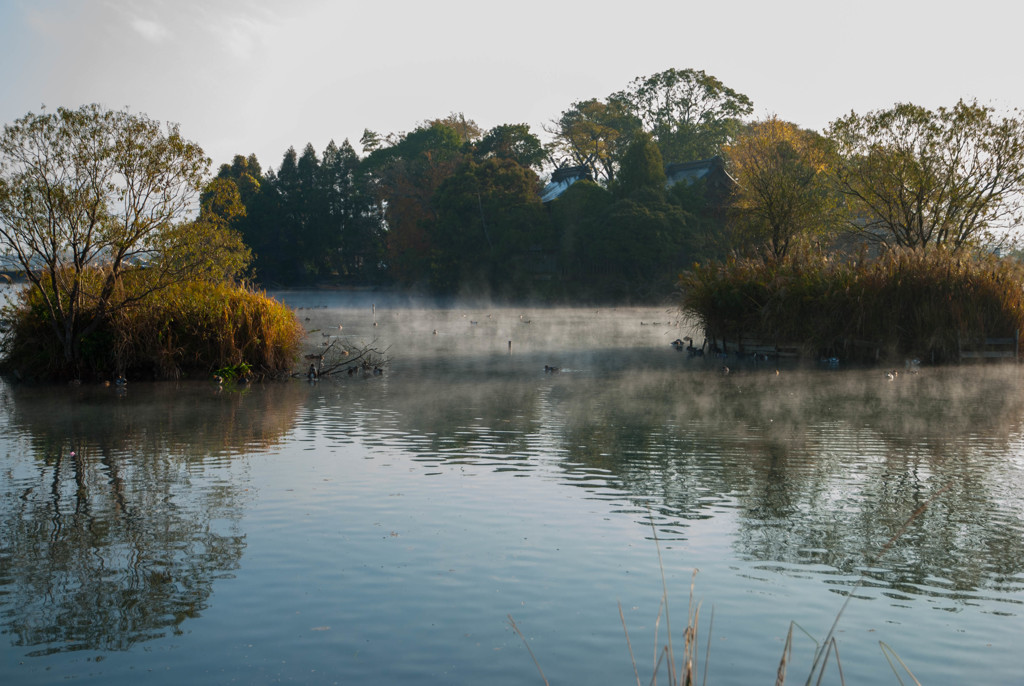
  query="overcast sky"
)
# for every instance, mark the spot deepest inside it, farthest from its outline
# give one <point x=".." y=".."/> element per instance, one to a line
<point x="258" y="76"/>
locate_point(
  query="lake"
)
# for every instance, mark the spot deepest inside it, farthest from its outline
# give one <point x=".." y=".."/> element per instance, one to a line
<point x="386" y="529"/>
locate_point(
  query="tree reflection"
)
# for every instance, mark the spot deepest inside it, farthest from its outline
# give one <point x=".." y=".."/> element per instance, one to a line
<point x="118" y="515"/>
<point x="907" y="482"/>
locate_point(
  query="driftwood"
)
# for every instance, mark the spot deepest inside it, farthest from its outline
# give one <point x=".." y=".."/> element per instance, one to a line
<point x="342" y="357"/>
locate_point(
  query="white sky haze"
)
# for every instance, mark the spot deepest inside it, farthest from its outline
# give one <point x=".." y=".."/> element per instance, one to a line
<point x="258" y="76"/>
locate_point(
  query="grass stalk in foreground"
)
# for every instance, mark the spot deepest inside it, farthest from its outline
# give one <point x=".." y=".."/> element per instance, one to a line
<point x="686" y="672"/>
<point x="528" y="649"/>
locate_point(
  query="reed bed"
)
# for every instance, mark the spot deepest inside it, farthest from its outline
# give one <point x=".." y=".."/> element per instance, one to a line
<point x="188" y="329"/>
<point x="903" y="303"/>
<point x="197" y="328"/>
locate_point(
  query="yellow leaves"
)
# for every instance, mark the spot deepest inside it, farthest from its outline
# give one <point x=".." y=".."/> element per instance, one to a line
<point x="782" y="192"/>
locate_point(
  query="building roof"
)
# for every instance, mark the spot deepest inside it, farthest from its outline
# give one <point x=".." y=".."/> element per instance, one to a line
<point x="691" y="172"/>
<point x="561" y="179"/>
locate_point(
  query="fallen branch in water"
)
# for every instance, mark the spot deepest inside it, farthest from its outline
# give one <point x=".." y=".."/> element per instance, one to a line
<point x="342" y="357"/>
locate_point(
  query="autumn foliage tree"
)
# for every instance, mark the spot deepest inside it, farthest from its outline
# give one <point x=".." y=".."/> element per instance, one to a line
<point x="783" y="189"/>
<point x="88" y="195"/>
<point x="593" y="133"/>
<point x="407" y="173"/>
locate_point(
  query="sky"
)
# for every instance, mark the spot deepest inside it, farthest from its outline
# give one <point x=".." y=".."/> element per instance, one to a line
<point x="260" y="76"/>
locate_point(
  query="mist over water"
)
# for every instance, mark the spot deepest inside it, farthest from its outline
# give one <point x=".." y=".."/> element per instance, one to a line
<point x="382" y="528"/>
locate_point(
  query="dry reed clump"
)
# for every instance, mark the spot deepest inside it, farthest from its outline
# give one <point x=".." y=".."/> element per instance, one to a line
<point x="186" y="329"/>
<point x="905" y="302"/>
<point x="198" y="327"/>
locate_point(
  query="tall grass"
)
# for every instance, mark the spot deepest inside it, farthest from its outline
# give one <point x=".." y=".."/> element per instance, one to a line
<point x="187" y="329"/>
<point x="198" y="327"/>
<point x="905" y="302"/>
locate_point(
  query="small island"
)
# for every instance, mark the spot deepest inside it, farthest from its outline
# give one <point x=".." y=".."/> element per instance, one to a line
<point x="121" y="282"/>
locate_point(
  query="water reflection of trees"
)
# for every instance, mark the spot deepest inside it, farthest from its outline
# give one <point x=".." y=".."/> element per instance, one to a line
<point x="461" y="418"/>
<point x="113" y="524"/>
<point x="821" y="468"/>
<point x="826" y="468"/>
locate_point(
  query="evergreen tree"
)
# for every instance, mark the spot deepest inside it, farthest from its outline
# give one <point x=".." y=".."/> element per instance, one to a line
<point x="642" y="171"/>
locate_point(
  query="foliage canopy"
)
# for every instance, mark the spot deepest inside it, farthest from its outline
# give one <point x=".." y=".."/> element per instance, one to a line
<point x="919" y="178"/>
<point x="690" y="113"/>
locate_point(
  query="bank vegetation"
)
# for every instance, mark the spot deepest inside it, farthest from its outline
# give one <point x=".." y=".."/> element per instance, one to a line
<point x="904" y="304"/>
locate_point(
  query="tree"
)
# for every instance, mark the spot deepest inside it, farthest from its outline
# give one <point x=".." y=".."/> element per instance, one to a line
<point x="371" y="141"/>
<point x="85" y="196"/>
<point x="406" y="175"/>
<point x="575" y="215"/>
<point x="783" y="191"/>
<point x="466" y="129"/>
<point x="919" y="178"/>
<point x="636" y="250"/>
<point x="246" y="173"/>
<point x="356" y="246"/>
<point x="642" y="172"/>
<point x="489" y="216"/>
<point x="317" y="218"/>
<point x="273" y="220"/>
<point x="513" y="142"/>
<point x="690" y="113"/>
<point x="258" y="225"/>
<point x="627" y="241"/>
<point x="215" y="251"/>
<point x="593" y="133"/>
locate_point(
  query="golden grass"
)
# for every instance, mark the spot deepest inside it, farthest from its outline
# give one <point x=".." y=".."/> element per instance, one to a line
<point x="187" y="329"/>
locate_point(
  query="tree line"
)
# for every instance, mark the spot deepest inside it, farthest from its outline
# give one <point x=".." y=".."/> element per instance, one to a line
<point x="450" y="208"/>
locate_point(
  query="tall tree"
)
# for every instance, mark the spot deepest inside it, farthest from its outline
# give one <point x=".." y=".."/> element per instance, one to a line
<point x="86" y="193"/>
<point x="690" y="113"/>
<point x="636" y="250"/>
<point x="575" y="215"/>
<point x="489" y="216"/>
<point x="357" y="243"/>
<point x="315" y="234"/>
<point x="218" y="253"/>
<point x="246" y="174"/>
<point x="593" y="133"/>
<point x="783" y="190"/>
<point x="261" y="225"/>
<point x="634" y="246"/>
<point x="466" y="129"/>
<point x="917" y="177"/>
<point x="284" y="214"/>
<point x="406" y="175"/>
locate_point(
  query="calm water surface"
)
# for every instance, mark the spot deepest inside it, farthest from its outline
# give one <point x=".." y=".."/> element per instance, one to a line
<point x="382" y="529"/>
